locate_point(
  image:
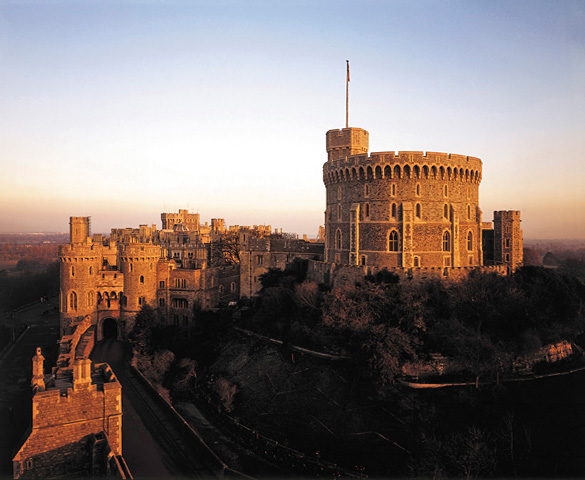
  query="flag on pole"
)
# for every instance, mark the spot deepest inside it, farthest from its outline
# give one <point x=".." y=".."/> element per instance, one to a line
<point x="347" y="70"/>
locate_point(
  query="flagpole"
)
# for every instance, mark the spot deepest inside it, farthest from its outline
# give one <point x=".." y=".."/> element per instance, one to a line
<point x="347" y="97"/>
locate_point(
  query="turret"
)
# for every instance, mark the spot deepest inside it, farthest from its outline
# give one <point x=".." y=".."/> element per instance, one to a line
<point x="79" y="230"/>
<point x="346" y="142"/>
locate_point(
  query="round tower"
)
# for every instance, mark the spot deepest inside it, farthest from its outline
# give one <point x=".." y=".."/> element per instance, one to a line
<point x="80" y="265"/>
<point x="138" y="266"/>
<point x="400" y="209"/>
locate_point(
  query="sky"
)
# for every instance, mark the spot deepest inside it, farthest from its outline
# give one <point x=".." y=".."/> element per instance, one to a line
<point x="120" y="110"/>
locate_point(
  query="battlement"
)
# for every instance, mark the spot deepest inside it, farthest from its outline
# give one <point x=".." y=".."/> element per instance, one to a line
<point x="500" y="215"/>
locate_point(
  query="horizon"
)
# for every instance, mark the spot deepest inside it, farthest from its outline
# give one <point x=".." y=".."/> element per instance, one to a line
<point x="123" y="111"/>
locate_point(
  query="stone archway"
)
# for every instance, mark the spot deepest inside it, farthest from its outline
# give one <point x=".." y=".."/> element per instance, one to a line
<point x="109" y="328"/>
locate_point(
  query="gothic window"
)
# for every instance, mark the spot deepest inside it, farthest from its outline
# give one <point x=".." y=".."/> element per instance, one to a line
<point x="470" y="241"/>
<point x="338" y="239"/>
<point x="73" y="301"/>
<point x="446" y="242"/>
<point x="393" y="241"/>
<point x="259" y="259"/>
<point x="418" y="211"/>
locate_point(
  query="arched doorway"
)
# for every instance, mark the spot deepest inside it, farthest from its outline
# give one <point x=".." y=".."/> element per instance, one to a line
<point x="109" y="328"/>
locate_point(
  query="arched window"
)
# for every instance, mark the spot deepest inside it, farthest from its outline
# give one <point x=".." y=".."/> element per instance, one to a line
<point x="393" y="189"/>
<point x="89" y="299"/>
<point x="418" y="189"/>
<point x="338" y="239"/>
<point x="446" y="211"/>
<point x="446" y="242"/>
<point x="339" y="212"/>
<point x="418" y="211"/>
<point x="73" y="301"/>
<point x="141" y="278"/>
<point x="90" y="270"/>
<point x="367" y="208"/>
<point x="468" y="212"/>
<point x="470" y="241"/>
<point x="393" y="241"/>
<point x="393" y="210"/>
<point x="366" y="190"/>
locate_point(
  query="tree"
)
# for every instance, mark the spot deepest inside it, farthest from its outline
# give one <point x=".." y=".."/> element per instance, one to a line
<point x="225" y="249"/>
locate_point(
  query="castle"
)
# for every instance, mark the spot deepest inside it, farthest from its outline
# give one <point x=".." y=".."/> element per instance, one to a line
<point x="413" y="213"/>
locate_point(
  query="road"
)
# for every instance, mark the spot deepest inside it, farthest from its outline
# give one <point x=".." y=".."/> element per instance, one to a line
<point x="151" y="443"/>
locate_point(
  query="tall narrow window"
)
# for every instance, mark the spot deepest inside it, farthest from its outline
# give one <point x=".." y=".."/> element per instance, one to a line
<point x="418" y="211"/>
<point x="338" y="239"/>
<point x="366" y="190"/>
<point x="446" y="191"/>
<point x="73" y="301"/>
<point x="393" y="210"/>
<point x="72" y="271"/>
<point x="468" y="212"/>
<point x="418" y="189"/>
<point x="367" y="210"/>
<point x="89" y="299"/>
<point x="339" y="212"/>
<point x="446" y="211"/>
<point x="338" y="193"/>
<point x="470" y="241"/>
<point x="393" y="189"/>
<point x="393" y="241"/>
<point x="446" y="242"/>
<point x="90" y="270"/>
<point x="142" y="279"/>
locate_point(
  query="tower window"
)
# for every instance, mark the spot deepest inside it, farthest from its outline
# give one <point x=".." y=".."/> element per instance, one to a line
<point x="393" y="210"/>
<point x="446" y="211"/>
<point x="418" y="211"/>
<point x="468" y="212"/>
<point x="338" y="239"/>
<point x="418" y="189"/>
<point x="416" y="262"/>
<point x="393" y="241"/>
<point x="90" y="270"/>
<point x="446" y="242"/>
<point x="338" y="193"/>
<point x="72" y="271"/>
<point x="393" y="190"/>
<point x="367" y="208"/>
<point x="470" y="241"/>
<point x="366" y="190"/>
<point x="142" y="279"/>
<point x="339" y="212"/>
<point x="73" y="301"/>
<point x="446" y="191"/>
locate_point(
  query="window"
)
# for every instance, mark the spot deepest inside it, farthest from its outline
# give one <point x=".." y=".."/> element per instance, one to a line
<point x="233" y="287"/>
<point x="418" y="189"/>
<point x="161" y="302"/>
<point x="446" y="242"/>
<point x="418" y="211"/>
<point x="507" y="243"/>
<point x="470" y="241"/>
<point x="337" y="258"/>
<point x="131" y="267"/>
<point x="446" y="191"/>
<point x="221" y="289"/>
<point x="259" y="259"/>
<point x="393" y="190"/>
<point x="393" y="241"/>
<point x="141" y="301"/>
<point x="142" y="279"/>
<point x="367" y="209"/>
<point x="416" y="262"/>
<point x="73" y="301"/>
<point x="181" y="283"/>
<point x="338" y="239"/>
<point x="89" y="299"/>
<point x="446" y="211"/>
<point x="468" y="212"/>
<point x="339" y="212"/>
<point x="161" y="284"/>
<point x="507" y="257"/>
<point x="363" y="260"/>
<point x="366" y="190"/>
<point x="90" y="270"/>
<point x="72" y="271"/>
<point x="393" y="213"/>
<point x="338" y="193"/>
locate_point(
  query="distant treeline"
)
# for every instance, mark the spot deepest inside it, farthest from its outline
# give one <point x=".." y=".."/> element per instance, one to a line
<point x="19" y="290"/>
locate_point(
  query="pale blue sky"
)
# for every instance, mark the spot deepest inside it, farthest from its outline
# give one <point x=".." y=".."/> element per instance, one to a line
<point x="122" y="110"/>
